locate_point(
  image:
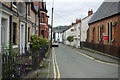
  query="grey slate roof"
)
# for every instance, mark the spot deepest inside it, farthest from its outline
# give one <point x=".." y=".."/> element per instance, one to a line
<point x="107" y="9"/>
<point x="59" y="30"/>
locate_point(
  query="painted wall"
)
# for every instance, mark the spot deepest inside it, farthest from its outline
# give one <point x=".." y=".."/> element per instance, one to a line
<point x="58" y="37"/>
<point x="69" y="33"/>
<point x="84" y="27"/>
<point x="77" y="34"/>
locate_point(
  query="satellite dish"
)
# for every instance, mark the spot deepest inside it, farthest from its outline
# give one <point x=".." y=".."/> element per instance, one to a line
<point x="21" y="9"/>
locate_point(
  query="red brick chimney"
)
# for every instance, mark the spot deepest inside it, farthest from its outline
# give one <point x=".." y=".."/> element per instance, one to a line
<point x="69" y="26"/>
<point x="77" y="20"/>
<point x="90" y="12"/>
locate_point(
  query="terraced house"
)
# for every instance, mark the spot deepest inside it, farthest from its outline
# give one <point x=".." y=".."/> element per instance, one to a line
<point x="106" y="21"/>
<point x="18" y="22"/>
<point x="43" y="28"/>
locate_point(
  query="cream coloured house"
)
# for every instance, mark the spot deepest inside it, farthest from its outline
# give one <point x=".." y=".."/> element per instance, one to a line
<point x="77" y="33"/>
<point x="66" y="33"/>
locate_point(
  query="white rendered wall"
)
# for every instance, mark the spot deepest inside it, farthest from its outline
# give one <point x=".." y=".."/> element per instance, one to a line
<point x="84" y="28"/>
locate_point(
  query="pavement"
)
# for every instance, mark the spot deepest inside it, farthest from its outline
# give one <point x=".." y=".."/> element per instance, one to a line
<point x="72" y="63"/>
<point x="43" y="72"/>
<point x="97" y="56"/>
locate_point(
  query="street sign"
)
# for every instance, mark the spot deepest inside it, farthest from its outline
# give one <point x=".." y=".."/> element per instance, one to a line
<point x="105" y="36"/>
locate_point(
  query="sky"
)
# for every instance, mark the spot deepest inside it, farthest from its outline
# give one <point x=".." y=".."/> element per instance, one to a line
<point x="66" y="11"/>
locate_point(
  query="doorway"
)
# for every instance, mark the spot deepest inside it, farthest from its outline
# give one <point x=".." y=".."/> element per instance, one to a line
<point x="22" y="38"/>
<point x="4" y="34"/>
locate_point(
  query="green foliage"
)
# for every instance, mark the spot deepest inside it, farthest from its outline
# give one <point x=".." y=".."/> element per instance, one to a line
<point x="37" y="41"/>
<point x="8" y="61"/>
<point x="70" y="38"/>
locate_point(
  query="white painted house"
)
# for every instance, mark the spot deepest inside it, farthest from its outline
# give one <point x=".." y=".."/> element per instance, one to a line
<point x="58" y="37"/>
<point x="85" y="26"/>
<point x="77" y="33"/>
<point x="68" y="32"/>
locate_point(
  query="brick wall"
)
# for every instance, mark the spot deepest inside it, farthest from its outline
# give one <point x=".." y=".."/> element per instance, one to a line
<point x="115" y="31"/>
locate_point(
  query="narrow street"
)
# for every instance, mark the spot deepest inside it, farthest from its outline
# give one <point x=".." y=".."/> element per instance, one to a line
<point x="68" y="63"/>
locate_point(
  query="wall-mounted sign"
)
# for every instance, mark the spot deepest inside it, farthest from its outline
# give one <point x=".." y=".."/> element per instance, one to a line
<point x="105" y="36"/>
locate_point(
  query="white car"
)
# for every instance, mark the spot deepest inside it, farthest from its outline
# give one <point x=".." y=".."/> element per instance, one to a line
<point x="55" y="44"/>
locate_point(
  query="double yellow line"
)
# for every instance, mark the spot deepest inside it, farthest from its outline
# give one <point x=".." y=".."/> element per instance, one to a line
<point x="55" y="65"/>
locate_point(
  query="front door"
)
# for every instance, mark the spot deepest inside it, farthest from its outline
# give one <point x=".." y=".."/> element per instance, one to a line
<point x="22" y="38"/>
<point x="4" y="34"/>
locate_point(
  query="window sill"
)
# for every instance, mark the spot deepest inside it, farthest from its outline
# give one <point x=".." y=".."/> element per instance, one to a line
<point x="15" y="46"/>
<point x="14" y="6"/>
<point x="28" y="43"/>
<point x="112" y="40"/>
<point x="29" y="17"/>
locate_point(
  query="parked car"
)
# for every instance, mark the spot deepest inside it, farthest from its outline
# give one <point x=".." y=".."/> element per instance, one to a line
<point x="55" y="44"/>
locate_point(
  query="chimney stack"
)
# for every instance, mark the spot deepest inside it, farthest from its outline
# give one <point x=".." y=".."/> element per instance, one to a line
<point x="90" y="12"/>
<point x="77" y="20"/>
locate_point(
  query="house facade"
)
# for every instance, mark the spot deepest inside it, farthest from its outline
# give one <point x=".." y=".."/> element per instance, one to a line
<point x="104" y="28"/>
<point x="77" y="33"/>
<point x="43" y="21"/>
<point x="18" y="22"/>
<point x="4" y="31"/>
<point x="84" y="26"/>
<point x="68" y="32"/>
<point x="17" y="28"/>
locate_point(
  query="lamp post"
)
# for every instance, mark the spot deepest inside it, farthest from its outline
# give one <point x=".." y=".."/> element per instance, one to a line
<point x="39" y="19"/>
<point x="51" y="26"/>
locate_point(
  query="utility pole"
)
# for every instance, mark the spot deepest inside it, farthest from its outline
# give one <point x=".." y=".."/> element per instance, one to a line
<point x="51" y="25"/>
<point x="39" y="19"/>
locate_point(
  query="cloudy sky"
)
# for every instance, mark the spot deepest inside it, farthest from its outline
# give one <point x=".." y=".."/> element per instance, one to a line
<point x="66" y="11"/>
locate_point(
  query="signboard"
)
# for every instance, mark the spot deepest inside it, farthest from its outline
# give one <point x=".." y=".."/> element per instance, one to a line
<point x="105" y="36"/>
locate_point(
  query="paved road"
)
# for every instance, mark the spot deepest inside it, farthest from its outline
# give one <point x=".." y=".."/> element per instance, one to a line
<point x="72" y="64"/>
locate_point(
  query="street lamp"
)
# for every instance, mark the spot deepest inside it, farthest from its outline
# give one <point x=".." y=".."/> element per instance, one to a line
<point x="51" y="26"/>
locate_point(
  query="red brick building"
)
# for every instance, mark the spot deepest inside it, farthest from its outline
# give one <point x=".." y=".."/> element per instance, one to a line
<point x="43" y="28"/>
<point x="106" y="20"/>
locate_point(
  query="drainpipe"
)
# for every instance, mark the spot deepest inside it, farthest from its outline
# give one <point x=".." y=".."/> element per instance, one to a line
<point x="80" y="35"/>
<point x="11" y="25"/>
<point x="51" y="27"/>
<point x="39" y="19"/>
<point x="26" y="29"/>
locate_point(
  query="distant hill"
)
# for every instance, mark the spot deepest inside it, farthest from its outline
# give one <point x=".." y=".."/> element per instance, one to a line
<point x="61" y="27"/>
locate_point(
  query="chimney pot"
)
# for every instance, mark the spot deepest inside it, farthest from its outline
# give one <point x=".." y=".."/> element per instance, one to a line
<point x="90" y="12"/>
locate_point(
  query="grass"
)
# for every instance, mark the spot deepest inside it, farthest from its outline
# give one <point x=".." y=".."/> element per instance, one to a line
<point x="50" y="63"/>
<point x="44" y="66"/>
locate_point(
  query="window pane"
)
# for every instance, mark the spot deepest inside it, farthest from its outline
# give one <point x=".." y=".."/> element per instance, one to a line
<point x="14" y="33"/>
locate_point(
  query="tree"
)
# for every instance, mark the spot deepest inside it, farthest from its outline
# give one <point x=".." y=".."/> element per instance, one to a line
<point x="70" y="38"/>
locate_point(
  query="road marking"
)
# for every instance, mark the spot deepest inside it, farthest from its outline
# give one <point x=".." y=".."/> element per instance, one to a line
<point x="98" y="60"/>
<point x="86" y="55"/>
<point x="57" y="66"/>
<point x="53" y="65"/>
<point x="54" y="59"/>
